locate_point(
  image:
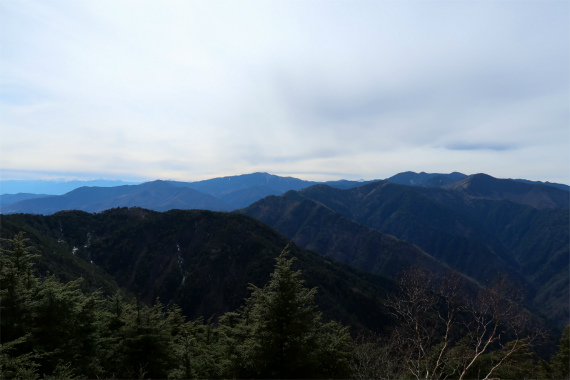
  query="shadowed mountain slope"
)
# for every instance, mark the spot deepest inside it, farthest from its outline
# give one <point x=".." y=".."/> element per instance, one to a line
<point x="201" y="260"/>
<point x="476" y="236"/>
<point x="439" y="180"/>
<point x="539" y="196"/>
<point x="316" y="227"/>
<point x="408" y="215"/>
<point x="557" y="185"/>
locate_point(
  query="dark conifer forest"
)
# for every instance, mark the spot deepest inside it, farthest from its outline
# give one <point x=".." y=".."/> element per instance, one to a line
<point x="435" y="327"/>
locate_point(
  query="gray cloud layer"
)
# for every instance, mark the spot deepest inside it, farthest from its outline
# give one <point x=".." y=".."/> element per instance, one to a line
<point x="360" y="89"/>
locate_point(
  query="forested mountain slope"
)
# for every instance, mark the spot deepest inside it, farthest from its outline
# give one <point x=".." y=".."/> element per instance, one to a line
<point x="440" y="180"/>
<point x="200" y="260"/>
<point x="475" y="235"/>
<point x="316" y="227"/>
<point x="483" y="186"/>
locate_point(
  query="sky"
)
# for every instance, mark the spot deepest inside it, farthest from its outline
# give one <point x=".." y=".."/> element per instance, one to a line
<point x="314" y="89"/>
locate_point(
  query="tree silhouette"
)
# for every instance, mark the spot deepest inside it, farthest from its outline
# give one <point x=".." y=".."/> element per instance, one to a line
<point x="284" y="333"/>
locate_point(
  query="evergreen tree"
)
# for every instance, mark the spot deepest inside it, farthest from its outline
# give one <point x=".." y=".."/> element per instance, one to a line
<point x="147" y="341"/>
<point x="561" y="362"/>
<point x="46" y="326"/>
<point x="17" y="309"/>
<point x="66" y="328"/>
<point x="233" y="331"/>
<point x="196" y="348"/>
<point x="17" y="286"/>
<point x="559" y="367"/>
<point x="287" y="337"/>
<point x="17" y="367"/>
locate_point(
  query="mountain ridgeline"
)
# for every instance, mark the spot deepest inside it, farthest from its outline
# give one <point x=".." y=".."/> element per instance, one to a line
<point x="477" y="225"/>
<point x="217" y="194"/>
<point x="235" y="192"/>
<point x="478" y="233"/>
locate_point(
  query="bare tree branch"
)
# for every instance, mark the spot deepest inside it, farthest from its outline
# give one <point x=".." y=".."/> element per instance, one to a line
<point x="444" y="333"/>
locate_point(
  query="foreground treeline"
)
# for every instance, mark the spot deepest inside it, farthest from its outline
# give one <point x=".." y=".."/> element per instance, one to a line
<point x="51" y="329"/>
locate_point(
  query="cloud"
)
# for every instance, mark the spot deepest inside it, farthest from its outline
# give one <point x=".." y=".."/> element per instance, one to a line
<point x="482" y="146"/>
<point x="190" y="89"/>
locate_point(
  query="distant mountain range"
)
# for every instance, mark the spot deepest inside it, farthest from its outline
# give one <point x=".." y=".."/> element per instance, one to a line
<point x="235" y="192"/>
<point x="218" y="194"/>
<point x="53" y="187"/>
<point x="476" y="224"/>
<point x="438" y="180"/>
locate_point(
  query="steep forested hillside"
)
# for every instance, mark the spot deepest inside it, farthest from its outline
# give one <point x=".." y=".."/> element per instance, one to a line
<point x="200" y="260"/>
<point x="316" y="227"/>
<point x="483" y="186"/>
<point x="475" y="235"/>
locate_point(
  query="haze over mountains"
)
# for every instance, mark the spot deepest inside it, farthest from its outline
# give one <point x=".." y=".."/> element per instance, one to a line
<point x="53" y="187"/>
<point x="230" y="193"/>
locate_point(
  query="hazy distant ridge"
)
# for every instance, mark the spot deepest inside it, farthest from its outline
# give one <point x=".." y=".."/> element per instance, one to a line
<point x="235" y="192"/>
<point x="54" y="187"/>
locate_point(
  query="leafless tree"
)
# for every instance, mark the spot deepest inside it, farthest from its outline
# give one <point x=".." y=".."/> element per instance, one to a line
<point x="496" y="320"/>
<point x="444" y="332"/>
<point x="373" y="357"/>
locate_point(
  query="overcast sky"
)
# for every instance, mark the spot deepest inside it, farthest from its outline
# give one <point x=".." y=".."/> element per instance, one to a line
<point x="318" y="90"/>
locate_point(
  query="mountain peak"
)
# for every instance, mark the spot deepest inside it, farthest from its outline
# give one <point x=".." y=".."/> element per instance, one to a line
<point x="424" y="179"/>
